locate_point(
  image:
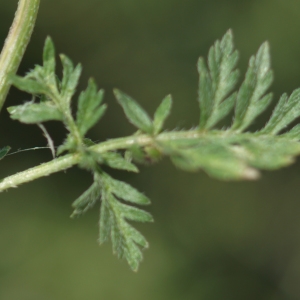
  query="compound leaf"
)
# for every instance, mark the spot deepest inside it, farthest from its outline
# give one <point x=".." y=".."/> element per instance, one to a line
<point x="228" y="154"/>
<point x="113" y="223"/>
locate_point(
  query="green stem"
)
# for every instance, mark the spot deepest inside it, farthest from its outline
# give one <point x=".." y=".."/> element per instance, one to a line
<point x="69" y="160"/>
<point x="16" y="43"/>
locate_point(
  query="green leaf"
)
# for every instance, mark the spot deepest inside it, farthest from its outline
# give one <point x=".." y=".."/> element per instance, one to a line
<point x="4" y="151"/>
<point x="49" y="62"/>
<point x="115" y="160"/>
<point x="87" y="200"/>
<point x="134" y="112"/>
<point x="211" y="154"/>
<point x="32" y="113"/>
<point x="125" y="239"/>
<point x="28" y="85"/>
<point x="70" y="79"/>
<point x="268" y="152"/>
<point x="217" y="82"/>
<point x="252" y="99"/>
<point x="114" y="216"/>
<point x="126" y="192"/>
<point x="90" y="109"/>
<point x="137" y="237"/>
<point x="233" y="156"/>
<point x="134" y="214"/>
<point x="285" y="112"/>
<point x="161" y="114"/>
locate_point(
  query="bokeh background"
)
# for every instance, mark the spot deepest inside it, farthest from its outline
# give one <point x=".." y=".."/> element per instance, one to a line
<point x="211" y="240"/>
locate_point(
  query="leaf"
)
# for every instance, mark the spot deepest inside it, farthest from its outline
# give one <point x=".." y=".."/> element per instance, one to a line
<point x="126" y="192"/>
<point x="70" y="79"/>
<point x="49" y="62"/>
<point x="137" y="237"/>
<point x="115" y="161"/>
<point x="233" y="156"/>
<point x="32" y="113"/>
<point x="87" y="200"/>
<point x="90" y="109"/>
<point x="161" y="114"/>
<point x="4" y="151"/>
<point x="134" y="112"/>
<point x="43" y="81"/>
<point x="269" y="152"/>
<point x="113" y="215"/>
<point x="285" y="112"/>
<point x="28" y="85"/>
<point x="217" y="82"/>
<point x="134" y="214"/>
<point x="251" y="99"/>
<point x="215" y="156"/>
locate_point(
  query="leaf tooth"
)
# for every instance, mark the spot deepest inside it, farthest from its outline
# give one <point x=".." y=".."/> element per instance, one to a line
<point x="126" y="192"/>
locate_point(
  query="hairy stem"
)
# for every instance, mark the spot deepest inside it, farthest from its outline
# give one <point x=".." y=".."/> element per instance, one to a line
<point x="67" y="161"/>
<point x="16" y="43"/>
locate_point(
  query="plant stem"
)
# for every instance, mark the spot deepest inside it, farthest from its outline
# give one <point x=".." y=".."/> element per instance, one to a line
<point x="69" y="160"/>
<point x="16" y="43"/>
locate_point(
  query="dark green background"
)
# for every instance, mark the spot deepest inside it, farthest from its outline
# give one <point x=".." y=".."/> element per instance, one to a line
<point x="211" y="240"/>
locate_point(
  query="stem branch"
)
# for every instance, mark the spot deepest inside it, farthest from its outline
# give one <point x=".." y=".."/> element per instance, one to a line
<point x="69" y="160"/>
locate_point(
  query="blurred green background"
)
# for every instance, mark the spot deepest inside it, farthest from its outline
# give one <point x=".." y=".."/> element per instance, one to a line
<point x="211" y="240"/>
